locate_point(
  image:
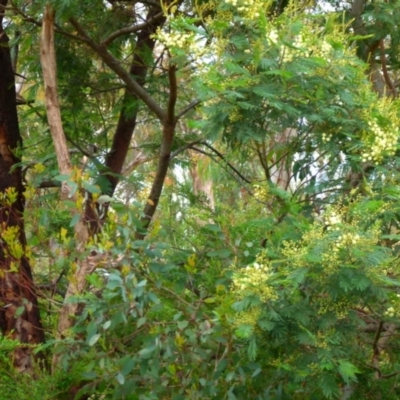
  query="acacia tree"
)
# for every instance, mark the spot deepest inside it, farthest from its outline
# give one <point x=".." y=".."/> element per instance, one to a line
<point x="282" y="101"/>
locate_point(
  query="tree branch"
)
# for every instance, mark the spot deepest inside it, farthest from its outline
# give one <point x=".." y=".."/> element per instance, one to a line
<point x="169" y="125"/>
<point x="57" y="28"/>
<point x="173" y="94"/>
<point x="123" y="74"/>
<point x="221" y="156"/>
<point x="185" y="147"/>
<point x="227" y="170"/>
<point x="186" y="109"/>
<point x="384" y="69"/>
<point x="131" y="29"/>
<point x="48" y="185"/>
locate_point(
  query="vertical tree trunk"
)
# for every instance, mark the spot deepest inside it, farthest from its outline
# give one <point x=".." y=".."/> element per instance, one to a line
<point x="19" y="312"/>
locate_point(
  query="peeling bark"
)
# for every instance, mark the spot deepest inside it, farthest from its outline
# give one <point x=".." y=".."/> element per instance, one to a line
<point x="77" y="283"/>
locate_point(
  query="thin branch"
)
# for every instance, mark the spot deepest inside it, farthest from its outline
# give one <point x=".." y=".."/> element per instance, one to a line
<point x="186" y="147"/>
<point x="51" y="287"/>
<point x="384" y="68"/>
<point x="123" y="74"/>
<point x="131" y="29"/>
<point x="262" y="158"/>
<point x="57" y="28"/>
<point x="305" y="181"/>
<point x="224" y="166"/>
<point x="189" y="107"/>
<point x="78" y="147"/>
<point x="376" y="350"/>
<point x="48" y="184"/>
<point x="220" y="155"/>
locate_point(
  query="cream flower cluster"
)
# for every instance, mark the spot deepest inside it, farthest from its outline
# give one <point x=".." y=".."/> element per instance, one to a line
<point x="260" y="193"/>
<point x="272" y="36"/>
<point x="175" y="39"/>
<point x="394" y="309"/>
<point x="345" y="240"/>
<point x="251" y="8"/>
<point x="384" y="142"/>
<point x="252" y="280"/>
<point x="331" y="219"/>
<point x="326" y="137"/>
<point x="288" y="53"/>
<point x="303" y="45"/>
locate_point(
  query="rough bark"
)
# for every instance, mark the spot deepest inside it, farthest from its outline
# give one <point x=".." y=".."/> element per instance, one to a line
<point x="19" y="311"/>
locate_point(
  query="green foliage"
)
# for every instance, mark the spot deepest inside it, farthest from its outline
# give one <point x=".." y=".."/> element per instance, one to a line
<point x="270" y="269"/>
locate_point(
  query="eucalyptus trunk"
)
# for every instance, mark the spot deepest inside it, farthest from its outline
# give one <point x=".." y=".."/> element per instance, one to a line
<point x="19" y="311"/>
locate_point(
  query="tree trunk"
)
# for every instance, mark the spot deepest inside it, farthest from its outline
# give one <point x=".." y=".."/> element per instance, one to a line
<point x="19" y="312"/>
<point x="116" y="157"/>
<point x="142" y="59"/>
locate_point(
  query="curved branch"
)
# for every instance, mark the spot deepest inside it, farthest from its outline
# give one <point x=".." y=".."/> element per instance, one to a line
<point x="186" y="147"/>
<point x="230" y="173"/>
<point x="221" y="156"/>
<point x="131" y="29"/>
<point x="123" y="74"/>
<point x="169" y="124"/>
<point x="384" y="69"/>
<point x="186" y="109"/>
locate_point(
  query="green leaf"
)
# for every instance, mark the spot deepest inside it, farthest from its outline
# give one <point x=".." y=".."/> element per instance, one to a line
<point x="106" y="325"/>
<point x="120" y="378"/>
<point x="212" y="227"/>
<point x="252" y="348"/>
<point x="348" y="371"/>
<point x="91" y="188"/>
<point x="329" y="386"/>
<point x="222" y="253"/>
<point x="230" y="376"/>
<point x="104" y="199"/>
<point x="127" y="365"/>
<point x="75" y="219"/>
<point x="147" y="351"/>
<point x="19" y="311"/>
<point x="62" y="178"/>
<point x="93" y="340"/>
<point x="183" y="324"/>
<point x="209" y="300"/>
